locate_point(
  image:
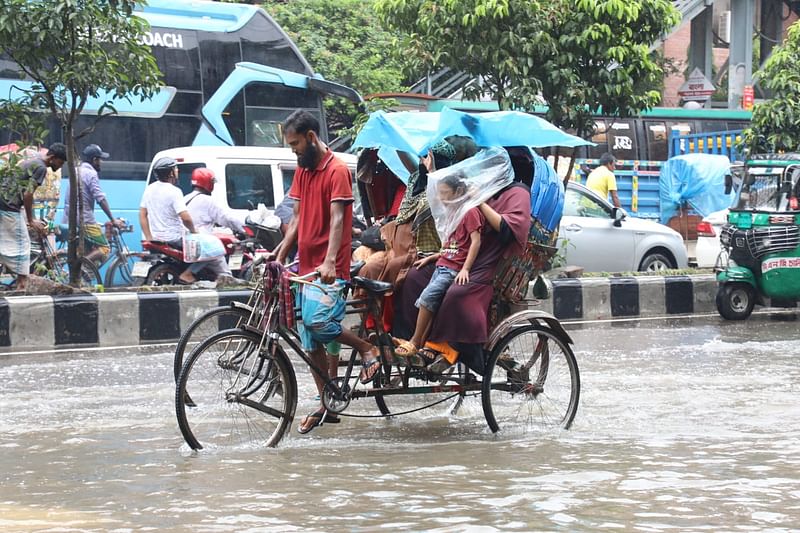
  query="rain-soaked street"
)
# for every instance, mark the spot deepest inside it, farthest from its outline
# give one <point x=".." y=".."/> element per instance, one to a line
<point x="688" y="424"/>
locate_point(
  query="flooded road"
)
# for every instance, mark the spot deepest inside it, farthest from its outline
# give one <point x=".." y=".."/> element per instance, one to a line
<point x="683" y="425"/>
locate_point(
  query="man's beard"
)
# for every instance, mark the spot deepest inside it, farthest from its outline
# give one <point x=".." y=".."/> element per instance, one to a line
<point x="308" y="158"/>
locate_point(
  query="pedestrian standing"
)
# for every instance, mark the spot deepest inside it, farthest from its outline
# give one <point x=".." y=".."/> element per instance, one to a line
<point x="16" y="211"/>
<point x="602" y="181"/>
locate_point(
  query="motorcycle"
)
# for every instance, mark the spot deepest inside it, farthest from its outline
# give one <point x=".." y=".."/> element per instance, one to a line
<point x="762" y="238"/>
<point x="164" y="264"/>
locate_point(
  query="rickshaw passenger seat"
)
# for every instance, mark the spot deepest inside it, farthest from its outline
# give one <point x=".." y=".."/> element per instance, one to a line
<point x="356" y="267"/>
<point x="372" y="286"/>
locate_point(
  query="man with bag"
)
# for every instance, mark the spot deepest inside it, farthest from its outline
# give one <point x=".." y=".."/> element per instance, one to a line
<point x="323" y="212"/>
<point x="163" y="214"/>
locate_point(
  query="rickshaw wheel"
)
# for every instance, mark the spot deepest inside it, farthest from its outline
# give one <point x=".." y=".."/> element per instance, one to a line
<point x="735" y="301"/>
<point x="241" y="395"/>
<point x="531" y="381"/>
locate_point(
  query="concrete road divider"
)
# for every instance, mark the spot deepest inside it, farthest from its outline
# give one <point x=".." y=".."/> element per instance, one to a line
<point x="635" y="296"/>
<point x="104" y="319"/>
<point x="125" y="319"/>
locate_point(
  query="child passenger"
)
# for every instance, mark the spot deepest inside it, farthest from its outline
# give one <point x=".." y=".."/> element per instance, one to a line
<point x="453" y="262"/>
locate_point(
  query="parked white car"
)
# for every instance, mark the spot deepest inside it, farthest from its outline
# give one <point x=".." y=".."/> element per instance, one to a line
<point x="601" y="238"/>
<point x="708" y="248"/>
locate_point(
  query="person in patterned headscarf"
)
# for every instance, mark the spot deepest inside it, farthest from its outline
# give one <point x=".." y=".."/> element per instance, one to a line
<point x="412" y="234"/>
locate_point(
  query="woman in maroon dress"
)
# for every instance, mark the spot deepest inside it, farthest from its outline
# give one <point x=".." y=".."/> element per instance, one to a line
<point x="462" y="319"/>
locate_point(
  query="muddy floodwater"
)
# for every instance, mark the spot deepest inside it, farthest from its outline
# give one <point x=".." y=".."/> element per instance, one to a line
<point x="683" y="425"/>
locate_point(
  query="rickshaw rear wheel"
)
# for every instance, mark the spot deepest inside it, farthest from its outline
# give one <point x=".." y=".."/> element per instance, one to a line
<point x="735" y="301"/>
<point x="531" y="381"/>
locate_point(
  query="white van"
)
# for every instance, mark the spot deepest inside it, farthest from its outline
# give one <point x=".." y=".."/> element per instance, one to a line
<point x="246" y="175"/>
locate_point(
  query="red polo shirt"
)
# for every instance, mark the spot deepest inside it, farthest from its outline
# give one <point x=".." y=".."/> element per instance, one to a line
<point x="315" y="190"/>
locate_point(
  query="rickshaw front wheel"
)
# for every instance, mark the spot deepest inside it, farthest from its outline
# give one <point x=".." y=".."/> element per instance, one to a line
<point x="735" y="301"/>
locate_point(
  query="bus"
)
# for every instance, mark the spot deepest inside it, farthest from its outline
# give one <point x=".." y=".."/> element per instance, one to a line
<point x="640" y="143"/>
<point x="231" y="76"/>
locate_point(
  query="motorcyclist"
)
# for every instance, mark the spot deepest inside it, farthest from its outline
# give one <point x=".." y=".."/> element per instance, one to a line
<point x="206" y="213"/>
<point x="163" y="213"/>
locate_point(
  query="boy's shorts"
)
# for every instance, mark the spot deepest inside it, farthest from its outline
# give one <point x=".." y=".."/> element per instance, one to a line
<point x="322" y="315"/>
<point x="433" y="294"/>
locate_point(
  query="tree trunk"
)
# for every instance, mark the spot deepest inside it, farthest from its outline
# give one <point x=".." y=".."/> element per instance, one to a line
<point x="556" y="157"/>
<point x="568" y="177"/>
<point x="72" y="249"/>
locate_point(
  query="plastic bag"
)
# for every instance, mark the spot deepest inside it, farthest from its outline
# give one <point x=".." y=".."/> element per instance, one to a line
<point x="201" y="247"/>
<point x="454" y="190"/>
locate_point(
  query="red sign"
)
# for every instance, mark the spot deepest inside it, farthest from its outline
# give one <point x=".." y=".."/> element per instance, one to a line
<point x="748" y="97"/>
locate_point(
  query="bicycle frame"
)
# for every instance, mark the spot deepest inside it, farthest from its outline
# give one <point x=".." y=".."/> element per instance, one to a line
<point x="369" y="305"/>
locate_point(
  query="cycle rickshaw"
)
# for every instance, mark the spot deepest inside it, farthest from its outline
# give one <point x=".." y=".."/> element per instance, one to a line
<point x="238" y="385"/>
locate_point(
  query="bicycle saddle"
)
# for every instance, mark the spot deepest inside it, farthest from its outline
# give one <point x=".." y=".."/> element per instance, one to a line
<point x="372" y="286"/>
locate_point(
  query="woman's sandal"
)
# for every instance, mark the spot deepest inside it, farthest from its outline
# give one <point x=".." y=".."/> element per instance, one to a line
<point x="427" y="355"/>
<point x="404" y="348"/>
<point x="317" y="418"/>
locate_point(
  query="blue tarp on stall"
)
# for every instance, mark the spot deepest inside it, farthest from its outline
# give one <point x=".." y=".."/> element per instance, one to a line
<point x="695" y="181"/>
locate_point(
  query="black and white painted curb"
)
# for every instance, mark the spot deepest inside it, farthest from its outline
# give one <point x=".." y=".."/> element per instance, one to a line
<point x="635" y="296"/>
<point x="127" y="319"/>
<point x="105" y="319"/>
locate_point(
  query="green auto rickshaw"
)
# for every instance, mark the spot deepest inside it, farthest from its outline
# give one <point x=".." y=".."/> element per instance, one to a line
<point x="762" y="237"/>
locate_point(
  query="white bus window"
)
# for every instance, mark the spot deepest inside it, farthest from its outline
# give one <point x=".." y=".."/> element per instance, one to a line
<point x="249" y="185"/>
<point x="185" y="176"/>
<point x="287" y="173"/>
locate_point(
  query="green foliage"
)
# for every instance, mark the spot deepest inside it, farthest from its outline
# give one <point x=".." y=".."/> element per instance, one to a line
<point x="497" y="40"/>
<point x="344" y="42"/>
<point x="73" y="50"/>
<point x="573" y="55"/>
<point x="776" y="122"/>
<point x="603" y="59"/>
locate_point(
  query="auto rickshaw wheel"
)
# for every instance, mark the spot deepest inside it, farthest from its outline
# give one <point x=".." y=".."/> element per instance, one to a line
<point x="735" y="301"/>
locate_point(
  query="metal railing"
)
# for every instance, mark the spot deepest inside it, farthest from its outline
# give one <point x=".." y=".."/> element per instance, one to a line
<point x="713" y="142"/>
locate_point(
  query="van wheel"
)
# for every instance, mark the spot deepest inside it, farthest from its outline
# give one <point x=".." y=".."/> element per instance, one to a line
<point x="735" y="301"/>
<point x="656" y="262"/>
<point x="163" y="275"/>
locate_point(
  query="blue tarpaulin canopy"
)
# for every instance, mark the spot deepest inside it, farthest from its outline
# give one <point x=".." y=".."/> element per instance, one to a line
<point x="416" y="132"/>
<point x="696" y="181"/>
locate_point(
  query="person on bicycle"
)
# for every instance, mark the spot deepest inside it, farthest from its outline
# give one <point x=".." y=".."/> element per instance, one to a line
<point x="323" y="212"/>
<point x="94" y="236"/>
<point x="16" y="195"/>
<point x="163" y="214"/>
<point x="206" y="213"/>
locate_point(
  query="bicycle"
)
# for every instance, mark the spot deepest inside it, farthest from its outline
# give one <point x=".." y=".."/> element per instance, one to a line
<point x="121" y="260"/>
<point x="233" y="315"/>
<point x="52" y="263"/>
<point x="238" y="386"/>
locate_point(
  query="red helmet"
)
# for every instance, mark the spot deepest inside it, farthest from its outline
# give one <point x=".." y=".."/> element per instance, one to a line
<point x="203" y="178"/>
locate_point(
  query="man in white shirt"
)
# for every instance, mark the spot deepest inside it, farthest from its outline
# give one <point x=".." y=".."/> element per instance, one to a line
<point x="206" y="213"/>
<point x="163" y="213"/>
